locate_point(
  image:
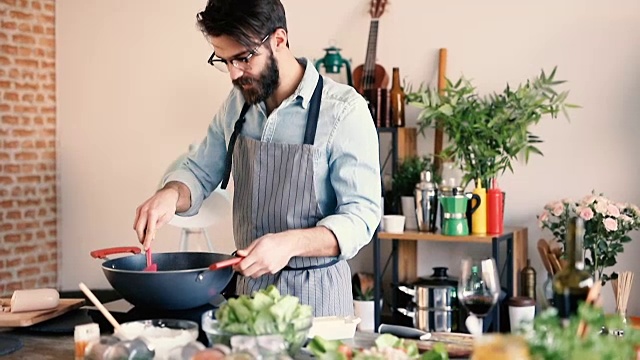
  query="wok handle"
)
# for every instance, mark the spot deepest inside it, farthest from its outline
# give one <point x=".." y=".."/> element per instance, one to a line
<point x="103" y="253"/>
<point x="225" y="263"/>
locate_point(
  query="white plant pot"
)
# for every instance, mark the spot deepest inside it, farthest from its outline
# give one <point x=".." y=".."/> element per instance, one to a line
<point x="409" y="211"/>
<point x="366" y="312"/>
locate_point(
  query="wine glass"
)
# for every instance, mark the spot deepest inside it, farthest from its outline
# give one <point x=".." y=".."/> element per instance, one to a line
<point x="479" y="287"/>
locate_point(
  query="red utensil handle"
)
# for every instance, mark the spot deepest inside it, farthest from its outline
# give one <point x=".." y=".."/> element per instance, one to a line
<point x="225" y="263"/>
<point x="103" y="253"/>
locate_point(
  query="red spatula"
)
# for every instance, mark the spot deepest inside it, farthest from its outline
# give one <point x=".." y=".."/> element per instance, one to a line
<point x="150" y="265"/>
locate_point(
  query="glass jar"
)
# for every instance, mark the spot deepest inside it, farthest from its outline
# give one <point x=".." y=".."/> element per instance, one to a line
<point x="113" y="348"/>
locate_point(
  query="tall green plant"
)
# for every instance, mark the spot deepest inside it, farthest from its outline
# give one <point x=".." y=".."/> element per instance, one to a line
<point x="487" y="133"/>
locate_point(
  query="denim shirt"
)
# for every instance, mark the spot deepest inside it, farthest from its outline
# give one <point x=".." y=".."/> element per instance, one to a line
<point x="347" y="173"/>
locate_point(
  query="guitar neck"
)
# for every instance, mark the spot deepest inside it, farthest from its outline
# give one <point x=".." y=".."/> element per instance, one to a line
<point x="370" y="60"/>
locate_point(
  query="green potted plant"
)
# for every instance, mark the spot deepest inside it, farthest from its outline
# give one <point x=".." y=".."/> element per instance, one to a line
<point x="403" y="183"/>
<point x="487" y="133"/>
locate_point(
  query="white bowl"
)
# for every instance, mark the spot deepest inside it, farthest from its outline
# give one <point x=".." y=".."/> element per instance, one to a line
<point x="162" y="334"/>
<point x="334" y="327"/>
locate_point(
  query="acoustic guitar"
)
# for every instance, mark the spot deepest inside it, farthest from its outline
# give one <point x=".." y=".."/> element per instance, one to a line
<point x="370" y="75"/>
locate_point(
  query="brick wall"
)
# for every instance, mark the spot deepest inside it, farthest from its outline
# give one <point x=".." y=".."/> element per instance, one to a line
<point x="28" y="240"/>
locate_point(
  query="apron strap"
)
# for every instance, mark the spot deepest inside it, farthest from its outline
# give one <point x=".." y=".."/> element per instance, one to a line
<point x="314" y="110"/>
<point x="232" y="142"/>
<point x="309" y="133"/>
<point x="312" y="267"/>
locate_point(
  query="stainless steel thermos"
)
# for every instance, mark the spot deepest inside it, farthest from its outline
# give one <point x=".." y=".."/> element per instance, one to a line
<point x="426" y="195"/>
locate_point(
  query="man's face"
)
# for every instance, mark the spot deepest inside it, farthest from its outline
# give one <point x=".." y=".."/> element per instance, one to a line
<point x="256" y="78"/>
<point x="256" y="89"/>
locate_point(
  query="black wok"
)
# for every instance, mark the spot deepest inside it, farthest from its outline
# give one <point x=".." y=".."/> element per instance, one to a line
<point x="183" y="280"/>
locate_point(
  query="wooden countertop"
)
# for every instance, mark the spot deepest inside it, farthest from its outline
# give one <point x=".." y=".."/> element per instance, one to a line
<point x="41" y="346"/>
<point x="48" y="346"/>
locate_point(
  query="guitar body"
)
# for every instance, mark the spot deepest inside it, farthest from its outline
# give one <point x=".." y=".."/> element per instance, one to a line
<point x="380" y="78"/>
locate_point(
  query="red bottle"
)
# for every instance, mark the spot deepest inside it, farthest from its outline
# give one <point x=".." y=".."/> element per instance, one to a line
<point x="495" y="209"/>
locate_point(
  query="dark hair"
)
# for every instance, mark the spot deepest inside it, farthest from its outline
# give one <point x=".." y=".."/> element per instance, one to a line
<point x="246" y="21"/>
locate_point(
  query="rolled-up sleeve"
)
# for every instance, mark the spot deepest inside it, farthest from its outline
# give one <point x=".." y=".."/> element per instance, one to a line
<point x="202" y="170"/>
<point x="354" y="172"/>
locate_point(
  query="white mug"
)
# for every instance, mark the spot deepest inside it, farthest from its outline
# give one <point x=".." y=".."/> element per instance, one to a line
<point x="34" y="299"/>
<point x="393" y="223"/>
<point x="522" y="310"/>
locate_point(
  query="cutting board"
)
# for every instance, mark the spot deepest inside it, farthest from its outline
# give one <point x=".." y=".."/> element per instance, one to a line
<point x="458" y="345"/>
<point x="22" y="319"/>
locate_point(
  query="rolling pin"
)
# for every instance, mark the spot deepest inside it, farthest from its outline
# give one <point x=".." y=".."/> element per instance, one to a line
<point x="34" y="300"/>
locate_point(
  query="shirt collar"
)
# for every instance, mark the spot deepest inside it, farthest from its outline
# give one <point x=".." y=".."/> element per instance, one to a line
<point x="307" y="85"/>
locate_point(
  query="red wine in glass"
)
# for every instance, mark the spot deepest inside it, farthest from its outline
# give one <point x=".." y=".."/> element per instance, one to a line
<point x="479" y="286"/>
<point x="478" y="305"/>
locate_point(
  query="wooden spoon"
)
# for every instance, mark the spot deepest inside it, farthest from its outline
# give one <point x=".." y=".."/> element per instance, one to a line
<point x="542" y="250"/>
<point x="593" y="298"/>
<point x="555" y="263"/>
<point x="103" y="310"/>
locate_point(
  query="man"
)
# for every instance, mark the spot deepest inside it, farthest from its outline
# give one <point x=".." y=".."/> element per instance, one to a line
<point x="305" y="160"/>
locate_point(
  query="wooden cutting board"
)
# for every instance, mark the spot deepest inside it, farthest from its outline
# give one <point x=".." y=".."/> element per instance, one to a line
<point x="458" y="345"/>
<point x="22" y="319"/>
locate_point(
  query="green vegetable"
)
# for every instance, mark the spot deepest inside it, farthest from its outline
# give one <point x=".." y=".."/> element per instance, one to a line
<point x="549" y="340"/>
<point x="439" y="352"/>
<point x="331" y="350"/>
<point x="266" y="312"/>
<point x="325" y="349"/>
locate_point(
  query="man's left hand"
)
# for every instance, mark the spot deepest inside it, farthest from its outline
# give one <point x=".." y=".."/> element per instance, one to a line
<point x="266" y="255"/>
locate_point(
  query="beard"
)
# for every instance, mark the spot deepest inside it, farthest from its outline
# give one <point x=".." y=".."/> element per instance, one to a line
<point x="263" y="86"/>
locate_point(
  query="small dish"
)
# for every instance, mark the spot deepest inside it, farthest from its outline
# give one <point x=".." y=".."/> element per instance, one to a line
<point x="334" y="327"/>
<point x="162" y="335"/>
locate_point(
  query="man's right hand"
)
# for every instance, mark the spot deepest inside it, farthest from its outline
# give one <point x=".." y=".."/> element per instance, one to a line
<point x="158" y="210"/>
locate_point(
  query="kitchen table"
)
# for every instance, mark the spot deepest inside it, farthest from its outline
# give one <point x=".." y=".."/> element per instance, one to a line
<point x="41" y="346"/>
<point x="49" y="346"/>
<point x="45" y="346"/>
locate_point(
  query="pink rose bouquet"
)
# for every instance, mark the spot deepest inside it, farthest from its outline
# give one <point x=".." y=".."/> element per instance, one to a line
<point x="607" y="225"/>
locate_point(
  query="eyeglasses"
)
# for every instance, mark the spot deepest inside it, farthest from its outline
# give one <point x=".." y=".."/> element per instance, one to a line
<point x="241" y="63"/>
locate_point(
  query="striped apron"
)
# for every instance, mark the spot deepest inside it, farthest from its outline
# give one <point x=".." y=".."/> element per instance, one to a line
<point x="275" y="192"/>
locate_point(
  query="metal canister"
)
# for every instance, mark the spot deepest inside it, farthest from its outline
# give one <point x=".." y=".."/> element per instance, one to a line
<point x="426" y="196"/>
<point x="434" y="304"/>
<point x="528" y="281"/>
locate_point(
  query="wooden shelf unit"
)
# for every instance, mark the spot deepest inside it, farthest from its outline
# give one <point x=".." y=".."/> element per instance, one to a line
<point x="405" y="255"/>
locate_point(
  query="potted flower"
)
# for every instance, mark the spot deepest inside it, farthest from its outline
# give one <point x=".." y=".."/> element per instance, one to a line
<point x="607" y="225"/>
<point x="404" y="181"/>
<point x="487" y="133"/>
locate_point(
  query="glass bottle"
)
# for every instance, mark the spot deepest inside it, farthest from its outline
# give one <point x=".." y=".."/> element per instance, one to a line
<point x="571" y="284"/>
<point x="397" y="98"/>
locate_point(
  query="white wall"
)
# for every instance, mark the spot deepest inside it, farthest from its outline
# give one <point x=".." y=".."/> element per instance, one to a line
<point x="134" y="90"/>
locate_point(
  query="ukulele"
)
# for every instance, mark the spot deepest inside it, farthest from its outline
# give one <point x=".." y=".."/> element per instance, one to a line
<point x="370" y="75"/>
